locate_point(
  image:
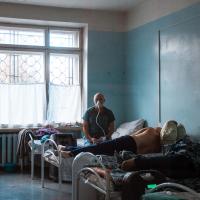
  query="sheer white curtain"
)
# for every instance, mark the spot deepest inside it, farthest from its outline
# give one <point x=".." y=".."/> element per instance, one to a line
<point x="64" y="103"/>
<point x="22" y="104"/>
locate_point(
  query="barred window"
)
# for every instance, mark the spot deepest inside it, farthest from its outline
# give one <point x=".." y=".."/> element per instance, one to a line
<point x="22" y="36"/>
<point x="40" y="75"/>
<point x="21" y="67"/>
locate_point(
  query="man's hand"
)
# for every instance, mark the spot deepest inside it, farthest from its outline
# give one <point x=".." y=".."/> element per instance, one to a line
<point x="128" y="165"/>
<point x="97" y="141"/>
<point x="94" y="140"/>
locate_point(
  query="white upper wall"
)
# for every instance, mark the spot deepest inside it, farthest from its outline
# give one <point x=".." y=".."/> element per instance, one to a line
<point x="96" y="20"/>
<point x="150" y="10"/>
<point x="114" y="5"/>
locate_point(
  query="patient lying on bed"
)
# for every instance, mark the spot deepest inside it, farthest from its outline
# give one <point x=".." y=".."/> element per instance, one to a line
<point x="182" y="159"/>
<point x="146" y="140"/>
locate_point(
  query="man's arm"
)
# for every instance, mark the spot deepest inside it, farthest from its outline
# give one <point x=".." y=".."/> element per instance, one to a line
<point x="87" y="134"/>
<point x="158" y="162"/>
<point x="86" y="131"/>
<point x="110" y="129"/>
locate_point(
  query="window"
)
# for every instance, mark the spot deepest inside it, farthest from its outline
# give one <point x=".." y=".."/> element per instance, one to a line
<point x="40" y="75"/>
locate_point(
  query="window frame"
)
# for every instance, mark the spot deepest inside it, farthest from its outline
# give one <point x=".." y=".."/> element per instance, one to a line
<point x="47" y="50"/>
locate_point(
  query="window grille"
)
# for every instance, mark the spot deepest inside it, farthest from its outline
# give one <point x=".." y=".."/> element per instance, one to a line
<point x="39" y="64"/>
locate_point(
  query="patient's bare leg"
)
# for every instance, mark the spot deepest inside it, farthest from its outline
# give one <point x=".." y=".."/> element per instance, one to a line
<point x="61" y="147"/>
<point x="108" y="147"/>
<point x="66" y="154"/>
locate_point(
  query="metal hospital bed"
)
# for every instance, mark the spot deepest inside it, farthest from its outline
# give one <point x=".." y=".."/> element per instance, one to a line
<point x="76" y="167"/>
<point x="103" y="186"/>
<point x="51" y="156"/>
<point x="49" y="153"/>
<point x="83" y="174"/>
<point x="85" y="180"/>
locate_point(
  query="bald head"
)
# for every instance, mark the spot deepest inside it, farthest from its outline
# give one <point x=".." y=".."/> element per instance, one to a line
<point x="99" y="97"/>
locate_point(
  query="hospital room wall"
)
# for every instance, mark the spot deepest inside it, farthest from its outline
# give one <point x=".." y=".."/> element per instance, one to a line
<point x="142" y="71"/>
<point x="106" y="59"/>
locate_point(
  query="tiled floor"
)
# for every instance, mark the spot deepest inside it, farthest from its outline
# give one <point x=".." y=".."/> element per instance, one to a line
<point x="21" y="187"/>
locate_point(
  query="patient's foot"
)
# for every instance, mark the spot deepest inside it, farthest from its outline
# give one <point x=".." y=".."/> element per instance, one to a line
<point x="61" y="147"/>
<point x="128" y="165"/>
<point x="66" y="154"/>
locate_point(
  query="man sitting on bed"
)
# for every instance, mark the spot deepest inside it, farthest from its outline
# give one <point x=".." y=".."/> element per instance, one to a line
<point x="146" y="140"/>
<point x="98" y="122"/>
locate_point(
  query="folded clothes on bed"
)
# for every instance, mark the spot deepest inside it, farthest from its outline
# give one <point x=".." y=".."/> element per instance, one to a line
<point x="46" y="131"/>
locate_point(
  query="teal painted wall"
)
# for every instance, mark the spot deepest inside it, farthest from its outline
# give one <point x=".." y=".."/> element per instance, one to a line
<point x="180" y="72"/>
<point x="106" y="65"/>
<point x="141" y="77"/>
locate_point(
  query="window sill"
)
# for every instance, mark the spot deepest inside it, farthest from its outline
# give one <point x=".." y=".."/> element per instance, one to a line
<point x="61" y="129"/>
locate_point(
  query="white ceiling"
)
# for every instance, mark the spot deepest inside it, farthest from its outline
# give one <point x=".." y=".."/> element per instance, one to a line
<point x="115" y="5"/>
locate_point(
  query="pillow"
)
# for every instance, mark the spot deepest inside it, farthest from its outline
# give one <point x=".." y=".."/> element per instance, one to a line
<point x="123" y="131"/>
<point x="128" y="128"/>
<point x="115" y="135"/>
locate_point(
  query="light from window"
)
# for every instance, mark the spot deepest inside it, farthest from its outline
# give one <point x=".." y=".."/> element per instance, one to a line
<point x="39" y="81"/>
<point x="60" y="38"/>
<point x="64" y="69"/>
<point x="21" y="36"/>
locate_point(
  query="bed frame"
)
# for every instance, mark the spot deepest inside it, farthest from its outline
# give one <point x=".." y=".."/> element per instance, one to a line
<point x="81" y="164"/>
<point x="81" y="160"/>
<point x="56" y="161"/>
